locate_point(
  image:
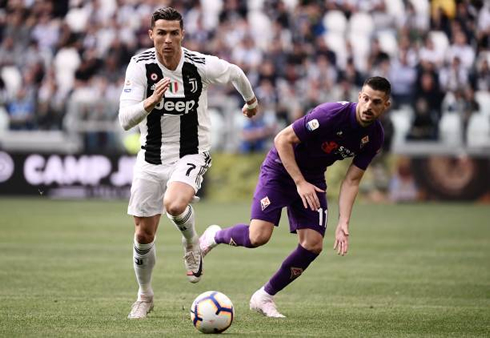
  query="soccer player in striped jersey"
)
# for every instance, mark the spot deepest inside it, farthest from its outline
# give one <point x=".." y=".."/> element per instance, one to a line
<point x="293" y="176"/>
<point x="165" y="95"/>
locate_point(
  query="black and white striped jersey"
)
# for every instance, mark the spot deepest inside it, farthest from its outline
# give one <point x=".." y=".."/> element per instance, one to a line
<point x="180" y="124"/>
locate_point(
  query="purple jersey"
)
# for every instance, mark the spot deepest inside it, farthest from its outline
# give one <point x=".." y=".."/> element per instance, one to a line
<point x="329" y="133"/>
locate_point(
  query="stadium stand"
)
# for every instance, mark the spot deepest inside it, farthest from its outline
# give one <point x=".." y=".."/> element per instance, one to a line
<point x="62" y="63"/>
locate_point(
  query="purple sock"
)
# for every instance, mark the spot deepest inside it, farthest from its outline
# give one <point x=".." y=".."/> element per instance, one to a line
<point x="292" y="267"/>
<point x="237" y="235"/>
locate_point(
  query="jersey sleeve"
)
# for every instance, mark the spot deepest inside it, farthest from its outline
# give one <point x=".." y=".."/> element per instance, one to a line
<point x="363" y="159"/>
<point x="131" y="107"/>
<point x="134" y="84"/>
<point x="219" y="71"/>
<point x="320" y="121"/>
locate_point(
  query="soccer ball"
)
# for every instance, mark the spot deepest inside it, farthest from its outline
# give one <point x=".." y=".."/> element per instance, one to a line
<point x="212" y="312"/>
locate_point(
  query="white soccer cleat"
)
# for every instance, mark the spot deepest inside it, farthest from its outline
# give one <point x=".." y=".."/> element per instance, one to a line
<point x="140" y="309"/>
<point x="206" y="241"/>
<point x="192" y="261"/>
<point x="263" y="303"/>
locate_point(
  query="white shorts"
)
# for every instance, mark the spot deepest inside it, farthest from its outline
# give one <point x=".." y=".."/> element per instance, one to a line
<point x="150" y="182"/>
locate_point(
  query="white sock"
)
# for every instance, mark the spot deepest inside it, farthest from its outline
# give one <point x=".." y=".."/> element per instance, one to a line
<point x="185" y="223"/>
<point x="144" y="258"/>
<point x="262" y="290"/>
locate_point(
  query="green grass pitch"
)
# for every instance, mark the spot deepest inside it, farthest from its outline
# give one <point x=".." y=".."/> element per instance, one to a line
<point x="419" y="270"/>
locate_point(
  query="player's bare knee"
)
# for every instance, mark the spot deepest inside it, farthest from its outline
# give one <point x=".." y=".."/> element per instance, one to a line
<point x="315" y="247"/>
<point x="144" y="237"/>
<point x="317" y="250"/>
<point x="143" y="231"/>
<point x="259" y="239"/>
<point x="174" y="208"/>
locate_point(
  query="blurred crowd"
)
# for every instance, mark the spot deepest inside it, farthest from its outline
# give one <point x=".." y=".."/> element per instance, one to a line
<point x="57" y="55"/>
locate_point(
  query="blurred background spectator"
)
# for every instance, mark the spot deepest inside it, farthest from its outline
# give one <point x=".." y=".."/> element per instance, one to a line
<point x="62" y="62"/>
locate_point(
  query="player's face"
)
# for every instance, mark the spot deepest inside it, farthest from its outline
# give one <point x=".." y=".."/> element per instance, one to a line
<point x="372" y="104"/>
<point x="167" y="37"/>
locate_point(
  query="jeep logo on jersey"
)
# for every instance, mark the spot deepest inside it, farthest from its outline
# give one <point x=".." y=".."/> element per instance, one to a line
<point x="175" y="106"/>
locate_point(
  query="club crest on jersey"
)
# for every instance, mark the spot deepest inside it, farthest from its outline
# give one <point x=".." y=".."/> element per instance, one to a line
<point x="312" y="125"/>
<point x="328" y="147"/>
<point x="154" y="76"/>
<point x="174" y="87"/>
<point x="193" y="83"/>
<point x="295" y="272"/>
<point x="364" y="140"/>
<point x="264" y="203"/>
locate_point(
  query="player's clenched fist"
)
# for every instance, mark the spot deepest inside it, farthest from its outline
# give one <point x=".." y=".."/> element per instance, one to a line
<point x="249" y="112"/>
<point x="250" y="108"/>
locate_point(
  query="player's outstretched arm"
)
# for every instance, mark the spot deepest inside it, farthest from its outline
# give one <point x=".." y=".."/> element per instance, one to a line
<point x="284" y="142"/>
<point x="348" y="193"/>
<point x="222" y="72"/>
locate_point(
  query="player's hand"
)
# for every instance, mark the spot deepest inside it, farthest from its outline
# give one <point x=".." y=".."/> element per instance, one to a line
<point x="160" y="89"/>
<point x="250" y="112"/>
<point x="341" y="239"/>
<point x="307" y="192"/>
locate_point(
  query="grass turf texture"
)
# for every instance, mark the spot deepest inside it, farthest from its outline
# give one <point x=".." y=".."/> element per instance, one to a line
<point x="412" y="271"/>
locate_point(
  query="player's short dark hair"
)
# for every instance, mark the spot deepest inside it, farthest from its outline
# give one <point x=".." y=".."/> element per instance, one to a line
<point x="166" y="13"/>
<point x="379" y="83"/>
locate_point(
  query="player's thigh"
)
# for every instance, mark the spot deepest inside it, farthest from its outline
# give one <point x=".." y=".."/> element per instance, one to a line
<point x="270" y="197"/>
<point x="179" y="192"/>
<point x="305" y="218"/>
<point x="190" y="170"/>
<point x="147" y="192"/>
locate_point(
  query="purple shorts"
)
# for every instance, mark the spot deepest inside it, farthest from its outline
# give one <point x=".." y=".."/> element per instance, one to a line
<point x="275" y="191"/>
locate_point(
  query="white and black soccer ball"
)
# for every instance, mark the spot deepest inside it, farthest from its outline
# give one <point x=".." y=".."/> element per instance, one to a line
<point x="212" y="312"/>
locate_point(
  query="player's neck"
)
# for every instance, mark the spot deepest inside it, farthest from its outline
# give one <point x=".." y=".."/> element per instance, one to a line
<point x="170" y="62"/>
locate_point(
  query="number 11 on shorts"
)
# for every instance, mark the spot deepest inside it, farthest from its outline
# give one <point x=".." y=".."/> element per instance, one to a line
<point x="321" y="216"/>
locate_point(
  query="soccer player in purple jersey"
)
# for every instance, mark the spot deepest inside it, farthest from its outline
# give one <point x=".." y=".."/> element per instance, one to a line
<point x="293" y="176"/>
